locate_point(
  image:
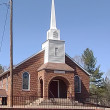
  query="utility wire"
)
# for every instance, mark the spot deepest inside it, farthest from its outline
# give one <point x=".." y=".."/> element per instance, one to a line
<point x="4" y="4"/>
<point x="4" y="28"/>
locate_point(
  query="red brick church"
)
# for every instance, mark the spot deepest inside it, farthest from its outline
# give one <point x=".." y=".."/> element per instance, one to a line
<point x="49" y="73"/>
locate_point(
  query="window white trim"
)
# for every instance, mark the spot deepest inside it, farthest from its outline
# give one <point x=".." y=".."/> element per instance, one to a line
<point x="57" y="71"/>
<point x="29" y="82"/>
<point x="79" y="83"/>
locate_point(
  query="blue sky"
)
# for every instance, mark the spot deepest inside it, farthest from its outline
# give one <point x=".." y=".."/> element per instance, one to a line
<point x="83" y="24"/>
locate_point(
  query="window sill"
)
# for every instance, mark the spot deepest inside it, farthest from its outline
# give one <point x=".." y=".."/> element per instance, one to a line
<point x="26" y="90"/>
<point x="78" y="92"/>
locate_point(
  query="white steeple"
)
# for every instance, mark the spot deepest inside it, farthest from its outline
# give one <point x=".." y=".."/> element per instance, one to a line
<point x="53" y="18"/>
<point x="54" y="47"/>
<point x="53" y="33"/>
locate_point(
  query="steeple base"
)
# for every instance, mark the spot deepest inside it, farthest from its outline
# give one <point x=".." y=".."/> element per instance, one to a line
<point x="54" y="51"/>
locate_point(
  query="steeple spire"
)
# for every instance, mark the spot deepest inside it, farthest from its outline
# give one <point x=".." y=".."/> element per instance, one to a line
<point x="53" y="18"/>
<point x="53" y="33"/>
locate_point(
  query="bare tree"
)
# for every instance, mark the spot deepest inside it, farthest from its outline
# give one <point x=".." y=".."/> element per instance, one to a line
<point x="108" y="74"/>
<point x="1" y="69"/>
<point x="79" y="60"/>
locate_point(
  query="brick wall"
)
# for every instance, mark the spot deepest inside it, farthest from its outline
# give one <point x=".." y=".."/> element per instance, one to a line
<point x="5" y="86"/>
<point x="84" y="79"/>
<point x="49" y="75"/>
<point x="31" y="67"/>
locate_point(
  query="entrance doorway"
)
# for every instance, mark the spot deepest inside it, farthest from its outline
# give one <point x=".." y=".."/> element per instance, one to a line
<point x="57" y="89"/>
<point x="54" y="89"/>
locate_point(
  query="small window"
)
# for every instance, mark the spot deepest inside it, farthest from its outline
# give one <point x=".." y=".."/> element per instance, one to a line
<point x="56" y="51"/>
<point x="25" y="81"/>
<point x="77" y="84"/>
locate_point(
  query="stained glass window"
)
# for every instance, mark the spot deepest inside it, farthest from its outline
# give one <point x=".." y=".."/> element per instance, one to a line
<point x="26" y="81"/>
<point x="77" y="84"/>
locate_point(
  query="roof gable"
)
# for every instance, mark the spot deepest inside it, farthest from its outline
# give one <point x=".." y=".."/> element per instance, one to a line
<point x="77" y="64"/>
<point x="37" y="54"/>
<point x="21" y="63"/>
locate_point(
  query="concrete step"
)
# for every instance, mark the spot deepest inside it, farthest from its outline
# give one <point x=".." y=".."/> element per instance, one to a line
<point x="37" y="102"/>
<point x="63" y="102"/>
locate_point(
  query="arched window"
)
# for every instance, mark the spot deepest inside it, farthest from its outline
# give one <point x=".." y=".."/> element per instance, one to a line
<point x="77" y="84"/>
<point x="26" y="81"/>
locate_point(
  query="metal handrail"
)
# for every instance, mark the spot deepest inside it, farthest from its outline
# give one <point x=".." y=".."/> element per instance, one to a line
<point x="71" y="97"/>
<point x="53" y="97"/>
